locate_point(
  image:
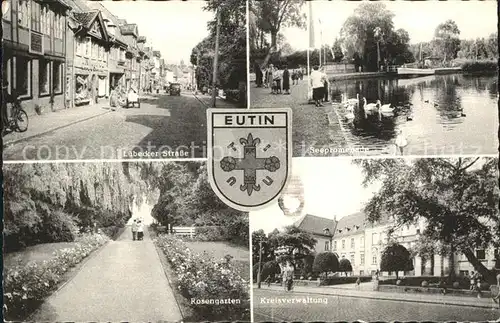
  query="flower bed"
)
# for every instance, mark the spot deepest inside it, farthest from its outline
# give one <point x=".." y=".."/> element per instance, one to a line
<point x="26" y="287"/>
<point x="214" y="289"/>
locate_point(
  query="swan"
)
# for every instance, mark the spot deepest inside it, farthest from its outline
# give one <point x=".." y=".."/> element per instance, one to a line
<point x="369" y="108"/>
<point x="350" y="116"/>
<point x="385" y="109"/>
<point x="352" y="101"/>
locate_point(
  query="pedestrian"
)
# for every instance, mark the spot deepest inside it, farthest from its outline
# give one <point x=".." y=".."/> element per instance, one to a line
<point x="6" y="98"/>
<point x="294" y="77"/>
<point x="134" y="230"/>
<point x="140" y="230"/>
<point x="472" y="281"/>
<point x="316" y="81"/>
<point x="270" y="78"/>
<point x="258" y="75"/>
<point x="325" y="85"/>
<point x="401" y="141"/>
<point x="277" y="80"/>
<point x="286" y="80"/>
<point x="358" y="282"/>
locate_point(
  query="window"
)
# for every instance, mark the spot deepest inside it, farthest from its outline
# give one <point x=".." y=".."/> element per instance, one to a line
<point x="23" y="76"/>
<point x="374" y="260"/>
<point x="361" y="272"/>
<point x="362" y="242"/>
<point x="362" y="258"/>
<point x="36" y="16"/>
<point x="94" y="50"/>
<point x="88" y="44"/>
<point x="352" y="258"/>
<point x="57" y="73"/>
<point x="44" y="77"/>
<point x="352" y="243"/>
<point x="23" y="13"/>
<point x="335" y="245"/>
<point x="58" y="25"/>
<point x="343" y="244"/>
<point x="7" y="73"/>
<point x="45" y="18"/>
<point x="327" y="245"/>
<point x="480" y="254"/>
<point x="374" y="238"/>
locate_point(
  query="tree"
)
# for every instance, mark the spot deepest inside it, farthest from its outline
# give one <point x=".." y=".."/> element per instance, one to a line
<point x="270" y="269"/>
<point x="345" y="266"/>
<point x="325" y="262"/>
<point x="295" y="238"/>
<point x="271" y="16"/>
<point x="258" y="236"/>
<point x="396" y="258"/>
<point x="456" y="198"/>
<point x="447" y="39"/>
<point x="337" y="50"/>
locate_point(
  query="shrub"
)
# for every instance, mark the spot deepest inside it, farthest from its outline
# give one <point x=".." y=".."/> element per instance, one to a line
<point x="345" y="266"/>
<point x="456" y="285"/>
<point x="480" y="66"/>
<point x="232" y="95"/>
<point x="398" y="282"/>
<point x="325" y="262"/>
<point x="270" y="268"/>
<point x="396" y="258"/>
<point x="26" y="287"/>
<point x="425" y="283"/>
<point x="201" y="278"/>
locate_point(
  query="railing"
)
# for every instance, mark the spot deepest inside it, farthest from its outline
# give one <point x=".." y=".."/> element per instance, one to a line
<point x="392" y="69"/>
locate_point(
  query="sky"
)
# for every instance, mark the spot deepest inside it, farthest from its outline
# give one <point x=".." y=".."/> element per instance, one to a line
<point x="419" y="18"/>
<point x="172" y="27"/>
<point x="332" y="187"/>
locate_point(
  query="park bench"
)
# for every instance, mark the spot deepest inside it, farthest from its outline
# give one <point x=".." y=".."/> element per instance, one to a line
<point x="184" y="231"/>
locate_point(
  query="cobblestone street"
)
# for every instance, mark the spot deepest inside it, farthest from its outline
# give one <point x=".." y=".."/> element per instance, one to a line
<point x="329" y="308"/>
<point x="162" y="124"/>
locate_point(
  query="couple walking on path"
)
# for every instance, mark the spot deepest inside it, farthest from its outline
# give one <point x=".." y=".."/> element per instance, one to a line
<point x="319" y="84"/>
<point x="137" y="229"/>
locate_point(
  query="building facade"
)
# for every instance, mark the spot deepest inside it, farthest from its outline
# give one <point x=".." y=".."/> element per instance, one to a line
<point x="362" y="243"/>
<point x="34" y="53"/>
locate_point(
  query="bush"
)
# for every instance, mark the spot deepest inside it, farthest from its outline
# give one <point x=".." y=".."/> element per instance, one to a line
<point x="456" y="285"/>
<point x="26" y="287"/>
<point x="398" y="282"/>
<point x="325" y="262"/>
<point x="425" y="283"/>
<point x="232" y="95"/>
<point x="396" y="258"/>
<point x="270" y="268"/>
<point x="202" y="279"/>
<point x="480" y="66"/>
<point x="345" y="266"/>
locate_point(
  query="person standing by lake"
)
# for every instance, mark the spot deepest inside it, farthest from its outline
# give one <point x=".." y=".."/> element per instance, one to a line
<point x="325" y="84"/>
<point x="134" y="230"/>
<point x="401" y="141"/>
<point x="317" y="84"/>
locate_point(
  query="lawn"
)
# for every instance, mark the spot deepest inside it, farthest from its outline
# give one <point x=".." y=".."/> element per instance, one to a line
<point x="40" y="252"/>
<point x="219" y="249"/>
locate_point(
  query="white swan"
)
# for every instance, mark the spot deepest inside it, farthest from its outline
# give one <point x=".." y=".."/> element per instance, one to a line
<point x="370" y="108"/>
<point x="350" y="115"/>
<point x="349" y="102"/>
<point x="385" y="110"/>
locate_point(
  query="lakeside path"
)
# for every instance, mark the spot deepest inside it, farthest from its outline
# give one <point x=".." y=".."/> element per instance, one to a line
<point x="312" y="127"/>
<point x="124" y="281"/>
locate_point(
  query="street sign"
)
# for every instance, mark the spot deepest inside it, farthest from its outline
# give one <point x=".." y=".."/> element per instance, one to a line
<point x="249" y="155"/>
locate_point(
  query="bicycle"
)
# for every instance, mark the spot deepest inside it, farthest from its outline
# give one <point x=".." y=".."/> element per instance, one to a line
<point x="18" y="118"/>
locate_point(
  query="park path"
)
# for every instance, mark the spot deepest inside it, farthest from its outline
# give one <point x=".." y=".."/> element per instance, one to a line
<point x="124" y="281"/>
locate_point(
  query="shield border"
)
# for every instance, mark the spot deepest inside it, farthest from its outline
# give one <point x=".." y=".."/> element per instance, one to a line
<point x="210" y="161"/>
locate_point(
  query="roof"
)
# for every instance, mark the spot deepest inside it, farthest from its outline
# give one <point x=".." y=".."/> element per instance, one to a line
<point x="86" y="18"/>
<point x="355" y="223"/>
<point x="315" y="224"/>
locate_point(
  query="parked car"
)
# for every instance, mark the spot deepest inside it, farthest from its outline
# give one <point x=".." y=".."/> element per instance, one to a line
<point x="175" y="89"/>
<point x="133" y="99"/>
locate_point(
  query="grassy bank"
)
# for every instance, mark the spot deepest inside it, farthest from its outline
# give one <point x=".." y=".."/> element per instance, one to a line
<point x="480" y="66"/>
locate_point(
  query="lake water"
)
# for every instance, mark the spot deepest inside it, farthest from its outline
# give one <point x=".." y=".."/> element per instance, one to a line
<point x="440" y="114"/>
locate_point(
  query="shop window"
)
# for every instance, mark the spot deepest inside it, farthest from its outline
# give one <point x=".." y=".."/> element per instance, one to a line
<point x="480" y="254"/>
<point x="23" y="76"/>
<point x="57" y="77"/>
<point x="23" y="14"/>
<point x="43" y="77"/>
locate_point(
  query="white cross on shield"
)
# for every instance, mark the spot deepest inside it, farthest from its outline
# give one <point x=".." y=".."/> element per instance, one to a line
<point x="249" y="155"/>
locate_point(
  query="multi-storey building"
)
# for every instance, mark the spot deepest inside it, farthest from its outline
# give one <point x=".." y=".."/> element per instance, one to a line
<point x="130" y="34"/>
<point x="362" y="243"/>
<point x="34" y="52"/>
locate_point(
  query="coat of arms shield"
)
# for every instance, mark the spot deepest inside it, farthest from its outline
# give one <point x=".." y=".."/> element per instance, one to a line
<point x="249" y="155"/>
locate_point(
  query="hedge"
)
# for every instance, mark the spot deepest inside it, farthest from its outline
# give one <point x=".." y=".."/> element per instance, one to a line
<point x="344" y="280"/>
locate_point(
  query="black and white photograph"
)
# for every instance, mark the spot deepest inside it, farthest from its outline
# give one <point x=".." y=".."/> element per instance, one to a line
<point x="118" y="79"/>
<point x="384" y="78"/>
<point x="121" y="242"/>
<point x="397" y="239"/>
